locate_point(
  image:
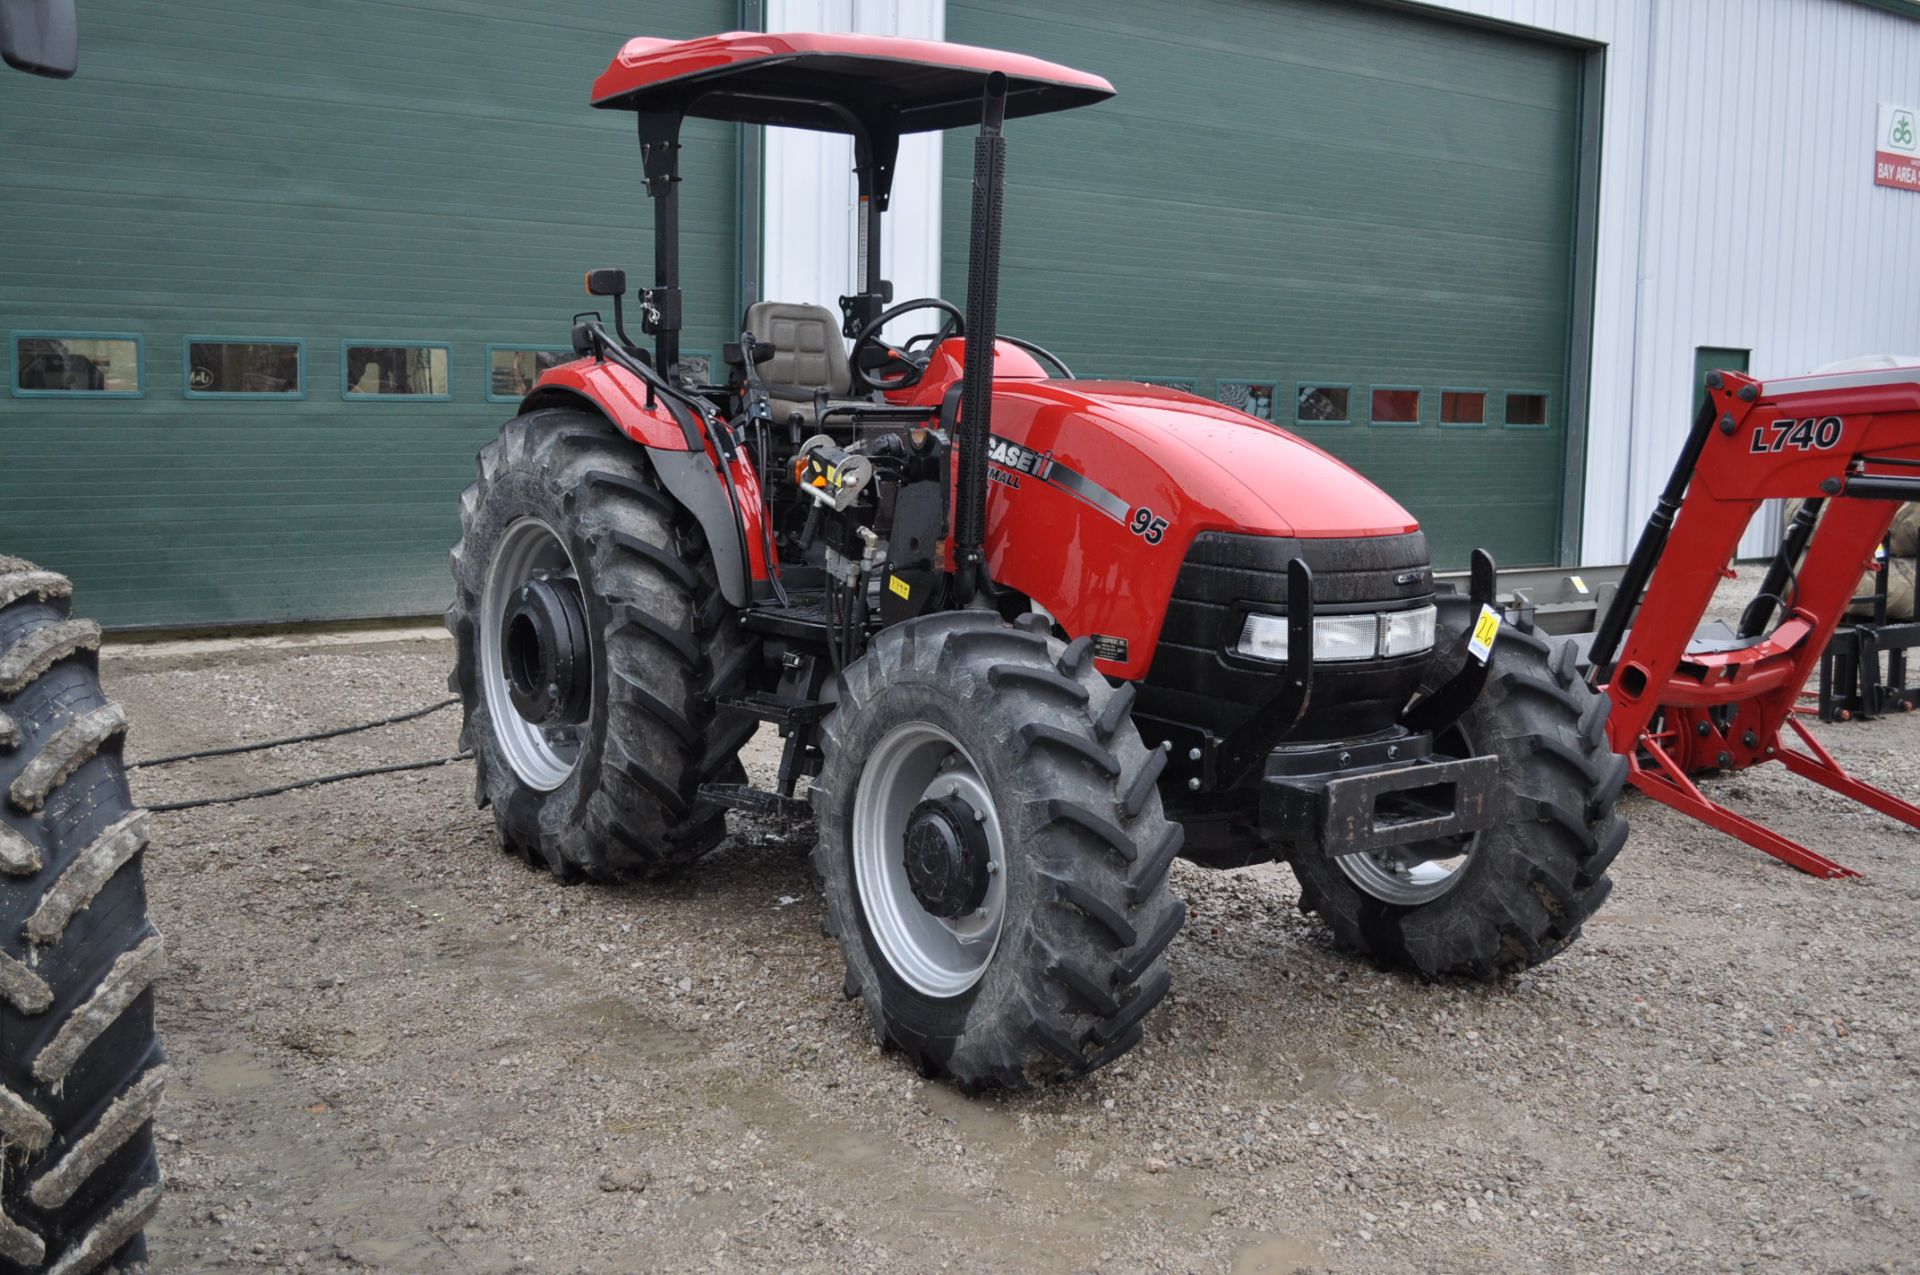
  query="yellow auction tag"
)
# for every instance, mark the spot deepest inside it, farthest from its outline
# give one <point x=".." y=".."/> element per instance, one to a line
<point x="1579" y="585"/>
<point x="1485" y="629"/>
<point x="899" y="586"/>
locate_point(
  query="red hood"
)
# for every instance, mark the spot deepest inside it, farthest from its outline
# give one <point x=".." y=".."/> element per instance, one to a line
<point x="1247" y="474"/>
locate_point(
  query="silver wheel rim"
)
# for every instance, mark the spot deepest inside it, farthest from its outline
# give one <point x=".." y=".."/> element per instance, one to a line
<point x="543" y="757"/>
<point x="1409" y="875"/>
<point x="1404" y="879"/>
<point x="936" y="956"/>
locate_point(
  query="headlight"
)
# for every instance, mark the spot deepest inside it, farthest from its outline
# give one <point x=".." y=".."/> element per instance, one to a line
<point x="1264" y="637"/>
<point x="1405" y="632"/>
<point x="1343" y="638"/>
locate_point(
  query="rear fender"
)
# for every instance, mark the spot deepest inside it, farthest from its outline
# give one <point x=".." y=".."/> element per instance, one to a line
<point x="683" y="457"/>
<point x="621" y="397"/>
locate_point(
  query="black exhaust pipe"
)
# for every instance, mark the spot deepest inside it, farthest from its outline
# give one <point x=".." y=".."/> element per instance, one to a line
<point x="983" y="305"/>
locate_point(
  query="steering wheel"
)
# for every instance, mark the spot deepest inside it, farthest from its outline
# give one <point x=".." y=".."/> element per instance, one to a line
<point x="879" y="366"/>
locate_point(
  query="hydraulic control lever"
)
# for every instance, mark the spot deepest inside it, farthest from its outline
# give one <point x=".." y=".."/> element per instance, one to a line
<point x="751" y="353"/>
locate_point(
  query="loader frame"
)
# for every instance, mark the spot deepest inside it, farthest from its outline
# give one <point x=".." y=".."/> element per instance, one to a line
<point x="1685" y="703"/>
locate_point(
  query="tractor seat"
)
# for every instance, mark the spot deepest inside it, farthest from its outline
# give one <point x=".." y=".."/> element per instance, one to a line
<point x="810" y="357"/>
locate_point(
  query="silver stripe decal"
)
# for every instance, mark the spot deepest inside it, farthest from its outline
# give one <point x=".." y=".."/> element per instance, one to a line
<point x="1023" y="462"/>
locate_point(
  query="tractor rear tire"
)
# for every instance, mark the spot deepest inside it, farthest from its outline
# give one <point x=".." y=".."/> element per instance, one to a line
<point x="620" y="798"/>
<point x="1538" y="871"/>
<point x="80" y="1070"/>
<point x="1022" y="725"/>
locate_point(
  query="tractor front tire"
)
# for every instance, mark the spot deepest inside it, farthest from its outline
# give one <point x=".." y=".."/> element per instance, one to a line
<point x="1538" y="870"/>
<point x="80" y="1071"/>
<point x="1030" y="945"/>
<point x="564" y="497"/>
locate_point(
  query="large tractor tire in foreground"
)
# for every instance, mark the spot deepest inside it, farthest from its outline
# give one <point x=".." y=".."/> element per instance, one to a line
<point x="586" y="597"/>
<point x="1517" y="892"/>
<point x="80" y="1071"/>
<point x="994" y="852"/>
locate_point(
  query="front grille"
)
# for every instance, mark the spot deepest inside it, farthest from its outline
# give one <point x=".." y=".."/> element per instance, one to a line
<point x="1196" y="680"/>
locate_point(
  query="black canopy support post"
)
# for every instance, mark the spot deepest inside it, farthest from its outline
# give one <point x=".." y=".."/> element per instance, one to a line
<point x="983" y="304"/>
<point x="1653" y="540"/>
<point x="660" y="304"/>
<point x="875" y="151"/>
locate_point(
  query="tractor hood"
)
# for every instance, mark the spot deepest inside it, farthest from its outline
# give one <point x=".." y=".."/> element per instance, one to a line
<point x="1099" y="490"/>
<point x="1206" y="466"/>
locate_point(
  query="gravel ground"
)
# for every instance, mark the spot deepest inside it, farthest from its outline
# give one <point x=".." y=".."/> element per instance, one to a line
<point x="397" y="1049"/>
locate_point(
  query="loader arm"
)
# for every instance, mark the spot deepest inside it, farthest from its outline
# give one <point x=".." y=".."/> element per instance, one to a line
<point x="1683" y="703"/>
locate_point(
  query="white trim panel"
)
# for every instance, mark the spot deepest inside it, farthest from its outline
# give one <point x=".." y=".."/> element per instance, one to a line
<point x="810" y="216"/>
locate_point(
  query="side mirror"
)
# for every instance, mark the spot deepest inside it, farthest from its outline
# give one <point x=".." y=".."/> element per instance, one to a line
<point x="607" y="283"/>
<point x="40" y="36"/>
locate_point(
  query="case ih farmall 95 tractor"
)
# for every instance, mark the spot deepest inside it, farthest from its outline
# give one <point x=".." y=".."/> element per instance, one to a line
<point x="1031" y="637"/>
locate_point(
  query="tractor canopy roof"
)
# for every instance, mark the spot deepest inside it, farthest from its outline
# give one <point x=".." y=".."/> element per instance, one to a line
<point x="835" y="83"/>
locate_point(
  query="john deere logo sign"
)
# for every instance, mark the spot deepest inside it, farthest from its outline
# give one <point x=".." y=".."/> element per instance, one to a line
<point x="1896" y="159"/>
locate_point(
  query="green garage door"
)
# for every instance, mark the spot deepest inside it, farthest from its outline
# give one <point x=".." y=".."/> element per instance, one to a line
<point x="332" y="211"/>
<point x="1349" y="216"/>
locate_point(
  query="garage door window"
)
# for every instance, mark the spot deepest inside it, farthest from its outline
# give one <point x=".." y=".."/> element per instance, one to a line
<point x="1322" y="405"/>
<point x="390" y="369"/>
<point x="512" y="369"/>
<point x="219" y="367"/>
<point x="1255" y="398"/>
<point x="1463" y="409"/>
<point x="1527" y="409"/>
<point x="1395" y="405"/>
<point x="90" y="364"/>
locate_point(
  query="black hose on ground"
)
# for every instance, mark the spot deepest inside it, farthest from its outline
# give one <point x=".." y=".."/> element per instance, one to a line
<point x="231" y="749"/>
<point x="231" y="798"/>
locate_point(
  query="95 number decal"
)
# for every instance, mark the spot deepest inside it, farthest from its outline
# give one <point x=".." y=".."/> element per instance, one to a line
<point x="1148" y="525"/>
<point x="1809" y="434"/>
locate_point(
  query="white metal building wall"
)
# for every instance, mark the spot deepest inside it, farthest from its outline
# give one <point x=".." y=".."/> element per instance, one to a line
<point x="1736" y="207"/>
<point x="810" y="215"/>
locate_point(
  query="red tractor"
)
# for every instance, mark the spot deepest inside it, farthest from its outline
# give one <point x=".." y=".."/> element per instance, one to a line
<point x="1031" y="637"/>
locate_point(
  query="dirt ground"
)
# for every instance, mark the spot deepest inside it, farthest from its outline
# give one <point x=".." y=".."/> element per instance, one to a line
<point x="397" y="1049"/>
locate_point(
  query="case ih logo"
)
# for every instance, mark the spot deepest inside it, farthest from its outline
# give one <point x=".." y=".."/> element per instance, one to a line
<point x="1008" y="460"/>
<point x="1010" y="455"/>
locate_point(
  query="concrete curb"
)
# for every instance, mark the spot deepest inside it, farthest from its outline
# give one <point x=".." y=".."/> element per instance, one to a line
<point x="125" y="650"/>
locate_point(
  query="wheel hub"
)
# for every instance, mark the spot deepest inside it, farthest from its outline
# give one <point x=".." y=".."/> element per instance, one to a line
<point x="929" y="859"/>
<point x="949" y="863"/>
<point x="536" y="654"/>
<point x="546" y="653"/>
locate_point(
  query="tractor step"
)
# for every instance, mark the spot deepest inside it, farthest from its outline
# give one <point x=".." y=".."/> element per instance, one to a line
<point x="781" y="710"/>
<point x="803" y="618"/>
<point x="756" y="801"/>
